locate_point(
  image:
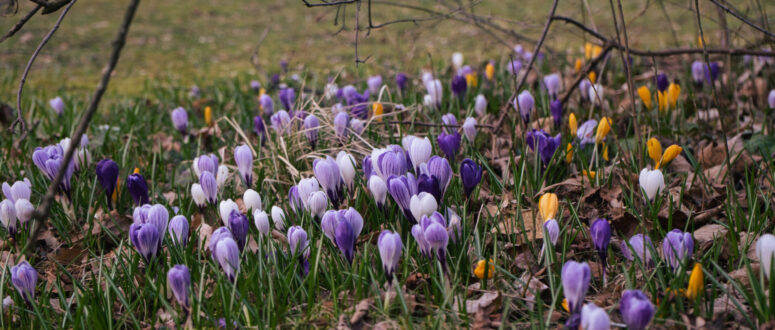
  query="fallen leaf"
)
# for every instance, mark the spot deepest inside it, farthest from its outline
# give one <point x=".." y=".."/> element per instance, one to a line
<point x="361" y="310"/>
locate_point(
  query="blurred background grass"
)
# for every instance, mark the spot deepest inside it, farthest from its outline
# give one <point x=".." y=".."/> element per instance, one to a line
<point x="192" y="41"/>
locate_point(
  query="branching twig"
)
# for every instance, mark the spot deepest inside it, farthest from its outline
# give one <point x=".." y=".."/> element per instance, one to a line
<point x="19" y="118"/>
<point x="18" y="26"/>
<point x="42" y="211"/>
<point x="585" y="72"/>
<point x="327" y="4"/>
<point x="743" y="19"/>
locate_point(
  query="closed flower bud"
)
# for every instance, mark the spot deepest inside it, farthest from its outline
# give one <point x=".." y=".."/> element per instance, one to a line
<point x="390" y="248"/>
<point x="525" y="103"/>
<point x="179" y="281"/>
<point x="771" y="99"/>
<point x="575" y="283"/>
<point x="262" y="222"/>
<point x="374" y="83"/>
<point x="159" y="216"/>
<point x="652" y="182"/>
<point x="146" y="240"/>
<point x="138" y="188"/>
<point x="107" y="175"/>
<point x="311" y="125"/>
<point x="341" y="121"/>
<point x="317" y="203"/>
<point x="252" y="200"/>
<point x="401" y="188"/>
<point x="698" y="72"/>
<point x="480" y="105"/>
<point x="655" y="150"/>
<point x="552" y="83"/>
<point x="662" y="82"/>
<point x="555" y="107"/>
<point x="378" y="189"/>
<point x="573" y="124"/>
<point x="584" y="87"/>
<point x="489" y="71"/>
<point x="547" y="206"/>
<point x="602" y="129"/>
<point x="239" y="227"/>
<point x="265" y="103"/>
<point x="420" y="151"/>
<point x="696" y="283"/>
<point x="677" y="248"/>
<point x="227" y="254"/>
<point x="224" y="210"/>
<point x="24" y="210"/>
<point x="765" y="252"/>
<point x="180" y="120"/>
<point x="458" y="85"/>
<point x="673" y="92"/>
<point x="423" y="204"/>
<point x="449" y="144"/>
<point x="636" y="309"/>
<point x="243" y="157"/>
<point x="57" y="105"/>
<point x="24" y="278"/>
<point x="222" y="176"/>
<point x="457" y="60"/>
<point x="484" y="266"/>
<point x="469" y="129"/>
<point x="645" y="96"/>
<point x="178" y="230"/>
<point x="596" y="94"/>
<point x="594" y="318"/>
<point x="198" y="195"/>
<point x="345" y="240"/>
<point x="642" y="246"/>
<point x="278" y="217"/>
<point x="670" y="153"/>
<point x="346" y="164"/>
<point x="281" y="122"/>
<point x="329" y="176"/>
<point x="470" y="174"/>
<point x="401" y="81"/>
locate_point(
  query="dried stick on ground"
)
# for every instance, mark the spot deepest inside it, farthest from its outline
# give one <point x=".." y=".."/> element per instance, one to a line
<point x="42" y="211"/>
<point x="18" y="26"/>
<point x="19" y="118"/>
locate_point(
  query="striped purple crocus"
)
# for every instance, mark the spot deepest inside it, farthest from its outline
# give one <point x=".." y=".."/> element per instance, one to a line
<point x="145" y="239"/>
<point x="542" y="143"/>
<point x="243" y="157"/>
<point x="107" y="175"/>
<point x="239" y="227"/>
<point x="299" y="247"/>
<point x="402" y="188"/>
<point x="390" y="246"/>
<point x="24" y="278"/>
<point x="432" y="231"/>
<point x="287" y="98"/>
<point x="49" y="159"/>
<point x="600" y="231"/>
<point x="525" y="103"/>
<point x="391" y="160"/>
<point x="179" y="281"/>
<point x="677" y="247"/>
<point x="328" y="175"/>
<point x="636" y="309"/>
<point x="311" y="126"/>
<point x="575" y="283"/>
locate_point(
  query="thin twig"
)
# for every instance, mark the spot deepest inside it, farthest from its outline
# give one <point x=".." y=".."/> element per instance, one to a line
<point x="424" y="124"/>
<point x="19" y="118"/>
<point x="743" y="19"/>
<point x="584" y="72"/>
<point x="18" y="26"/>
<point x="41" y="213"/>
<point x="628" y="72"/>
<point x="327" y="4"/>
<point x="538" y="47"/>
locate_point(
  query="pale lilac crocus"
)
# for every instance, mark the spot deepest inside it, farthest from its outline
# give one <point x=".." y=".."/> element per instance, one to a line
<point x="24" y="278"/>
<point x="281" y="122"/>
<point x="299" y="247"/>
<point x="677" y="248"/>
<point x="341" y="121"/>
<point x="374" y="83"/>
<point x="552" y="83"/>
<point x="525" y="103"/>
<point x="328" y="175"/>
<point x="311" y="125"/>
<point x="58" y="105"/>
<point x="243" y="157"/>
<point x="636" y="309"/>
<point x="480" y="105"/>
<point x="178" y="230"/>
<point x="642" y="246"/>
<point x="469" y="129"/>
<point x="180" y="120"/>
<point x="265" y="102"/>
<point x="390" y="246"/>
<point x="575" y="283"/>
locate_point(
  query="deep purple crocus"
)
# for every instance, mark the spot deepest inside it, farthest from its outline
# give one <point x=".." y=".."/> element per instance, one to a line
<point x="367" y="167"/>
<point x="390" y="246"/>
<point x="107" y="174"/>
<point x="677" y="247"/>
<point x="138" y="188"/>
<point x="311" y="125"/>
<point x="429" y="184"/>
<point x="600" y="231"/>
<point x="575" y="283"/>
<point x="180" y="120"/>
<point x="287" y="98"/>
<point x="145" y="238"/>
<point x="555" y="107"/>
<point x="401" y="81"/>
<point x="636" y="309"/>
<point x="401" y="189"/>
<point x="239" y="227"/>
<point x="24" y="278"/>
<point x="541" y="142"/>
<point x="179" y="281"/>
<point x="712" y="75"/>
<point x="471" y="175"/>
<point x="449" y="144"/>
<point x="345" y="240"/>
<point x="458" y="85"/>
<point x="662" y="82"/>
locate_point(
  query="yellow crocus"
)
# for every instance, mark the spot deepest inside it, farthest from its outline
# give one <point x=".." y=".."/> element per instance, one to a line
<point x="670" y="153"/>
<point x="574" y="125"/>
<point x="592" y="77"/>
<point x="482" y="266"/>
<point x="472" y="80"/>
<point x="114" y="196"/>
<point x="605" y="151"/>
<point x="590" y="174"/>
<point x="700" y="43"/>
<point x="136" y="171"/>
<point x="662" y="100"/>
<point x="569" y="153"/>
<point x="565" y="305"/>
<point x="208" y="116"/>
<point x="655" y="150"/>
<point x="378" y="109"/>
<point x="645" y="96"/>
<point x="596" y="50"/>
<point x="489" y="71"/>
<point x="587" y="51"/>
<point x="696" y="282"/>
<point x="577" y="66"/>
<point x="602" y="129"/>
<point x="547" y="206"/>
<point x="673" y="91"/>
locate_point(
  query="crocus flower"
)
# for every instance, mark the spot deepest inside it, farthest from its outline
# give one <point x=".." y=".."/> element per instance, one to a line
<point x="265" y="102"/>
<point x="194" y="92"/>
<point x="440" y="169"/>
<point x="419" y="151"/>
<point x="137" y="187"/>
<point x="555" y="108"/>
<point x="49" y="159"/>
<point x="391" y="160"/>
<point x="328" y="175"/>
<point x="544" y="144"/>
<point x="454" y="228"/>
<point x="514" y="67"/>
<point x="642" y="247"/>
<point x="586" y="132"/>
<point x="480" y="105"/>
<point x="107" y="174"/>
<point x="771" y="99"/>
<point x="402" y="188"/>
<point x="662" y="82"/>
<point x="594" y="318"/>
<point x="209" y="187"/>
<point x="317" y="203"/>
<point x="652" y="182"/>
<point x="553" y="230"/>
<point x="158" y="216"/>
<point x="305" y="188"/>
<point x="449" y="144"/>
<point x="178" y="230"/>
<point x="547" y="206"/>
<point x="596" y="94"/>
<point x="470" y="174"/>
<point x="584" y="86"/>
<point x="575" y="283"/>
<point x="239" y="226"/>
<point x="435" y="236"/>
<point x="227" y="254"/>
<point x="278" y="218"/>
<point x="198" y="195"/>
<point x="311" y="125"/>
<point x="222" y="176"/>
<point x="255" y="85"/>
<point x="180" y="120"/>
<point x="698" y="72"/>
<point x="600" y="231"/>
<point x="287" y="98"/>
<point x="484" y="266"/>
<point x="243" y="157"/>
<point x="252" y="200"/>
<point x="374" y="83"/>
<point x="435" y="92"/>
<point x="677" y="247"/>
<point x="469" y="129"/>
<point x="602" y="129"/>
<point x="458" y="85"/>
<point x="8" y="217"/>
<point x="58" y="105"/>
<point x="206" y="163"/>
<point x="765" y="252"/>
<point x="224" y="210"/>
<point x="489" y="70"/>
<point x="24" y="278"/>
<point x="341" y="121"/>
<point x="262" y="222"/>
<point x="281" y="122"/>
<point x="636" y="309"/>
<point x="525" y="103"/>
<point x="145" y="238"/>
<point x="24" y="210"/>
<point x="19" y="190"/>
<point x="422" y="204"/>
<point x="378" y="189"/>
<point x="696" y="285"/>
<point x="299" y="246"/>
<point x="345" y="240"/>
<point x="295" y="201"/>
<point x="552" y="83"/>
<point x="357" y="126"/>
<point x="449" y="121"/>
<point x="390" y="246"/>
<point x="712" y="73"/>
<point x="179" y="281"/>
<point x="346" y="163"/>
<point x="654" y="149"/>
<point x="429" y="184"/>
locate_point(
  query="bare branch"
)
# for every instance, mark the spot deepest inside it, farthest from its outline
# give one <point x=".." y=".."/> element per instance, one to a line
<point x="327" y="4"/>
<point x="18" y="26"/>
<point x="743" y="19"/>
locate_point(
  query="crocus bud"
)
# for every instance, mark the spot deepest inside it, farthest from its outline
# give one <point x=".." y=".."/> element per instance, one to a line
<point x="484" y="266"/>
<point x="239" y="227"/>
<point x="422" y="244"/>
<point x="435" y="92"/>
<point x="525" y="103"/>
<point x="137" y="187"/>
<point x="180" y="120"/>
<point x="457" y="60"/>
<point x="107" y="174"/>
<point x="677" y="248"/>
<point x="145" y="238"/>
<point x="602" y="129"/>
<point x="454" y="228"/>
<point x="198" y="195"/>
<point x="547" y="206"/>
<point x="420" y="151"/>
<point x="470" y="174"/>
<point x="389" y="161"/>
<point x="317" y="203"/>
<point x="357" y="126"/>
<point x="698" y="72"/>
<point x="58" y="105"/>
<point x="222" y="176"/>
<point x="252" y="200"/>
<point x="401" y="81"/>
<point x="281" y="122"/>
<point x="771" y="99"/>
<point x="645" y="96"/>
<point x="262" y="222"/>
<point x="287" y="97"/>
<point x="575" y="283"/>
<point x="378" y="189"/>
<point x="449" y="144"/>
<point x="305" y="188"/>
<point x="178" y="230"/>
<point x="654" y="149"/>
<point x="596" y="94"/>
<point x="299" y="246"/>
<point x="642" y="246"/>
<point x="429" y="184"/>
<point x="662" y="82"/>
<point x="159" y="216"/>
<point x="469" y="129"/>
<point x="480" y="105"/>
<point x="227" y="254"/>
<point x="555" y="108"/>
<point x="243" y="157"/>
<point x="652" y="182"/>
<point x="552" y="83"/>
<point x="255" y="85"/>
<point x="636" y="309"/>
<point x="7" y="303"/>
<point x="311" y="125"/>
<point x="765" y="252"/>
<point x="401" y="188"/>
<point x="205" y="163"/>
<point x="440" y="169"/>
<point x="489" y="70"/>
<point x="696" y="282"/>
<point x="24" y="278"/>
<point x="345" y="240"/>
<point x="259" y="128"/>
<point x="422" y="205"/>
<point x="374" y="83"/>
<point x="436" y="236"/>
<point x="552" y="230"/>
<point x="278" y="217"/>
<point x="209" y="187"/>
<point x="594" y="318"/>
<point x="330" y="178"/>
<point x="458" y="85"/>
<point x="346" y="163"/>
<point x="179" y="281"/>
<point x="670" y="153"/>
<point x="341" y="120"/>
<point x="224" y="210"/>
<point x="24" y="210"/>
<point x="390" y="246"/>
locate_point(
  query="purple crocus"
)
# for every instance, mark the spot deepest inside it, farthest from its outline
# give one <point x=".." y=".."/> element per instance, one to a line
<point x="158" y="216"/>
<point x="179" y="281"/>
<point x="206" y="163"/>
<point x="287" y="98"/>
<point x="586" y="132"/>
<point x="471" y="175"/>
<point x="662" y="82"/>
<point x="552" y="230"/>
<point x="368" y="167"/>
<point x="449" y="121"/>
<point x="402" y="188"/>
<point x="390" y="246"/>
<point x="642" y="247"/>
<point x="138" y="188"/>
<point x="209" y="186"/>
<point x="239" y="227"/>
<point x="525" y="103"/>
<point x="265" y="102"/>
<point x="19" y="190"/>
<point x="49" y="159"/>
<point x="24" y="278"/>
<point x="259" y="128"/>
<point x="401" y="81"/>
<point x="469" y="129"/>
<point x="345" y="239"/>
<point x="575" y="283"/>
<point x="58" y="105"/>
<point x="712" y="74"/>
<point x="429" y="184"/>
<point x="227" y="254"/>
<point x="107" y="174"/>
<point x="299" y="246"/>
<point x="311" y="126"/>
<point x="600" y="231"/>
<point x="180" y="120"/>
<point x="389" y="161"/>
<point x="441" y="171"/>
<point x="449" y="144"/>
<point x="698" y="72"/>
<point x="458" y="85"/>
<point x="543" y="144"/>
<point x="328" y="175"/>
<point x="281" y="122"/>
<point x="243" y="157"/>
<point x="178" y="230"/>
<point x="217" y="236"/>
<point x="341" y="121"/>
<point x="374" y="83"/>
<point x="145" y="238"/>
<point x="8" y="217"/>
<point x="677" y="247"/>
<point x="435" y="236"/>
<point x="552" y="83"/>
<point x="636" y="309"/>
<point x="555" y="108"/>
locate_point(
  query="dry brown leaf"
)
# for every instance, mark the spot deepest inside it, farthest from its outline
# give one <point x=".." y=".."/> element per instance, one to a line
<point x="361" y="310"/>
<point x="705" y="235"/>
<point x="526" y="226"/>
